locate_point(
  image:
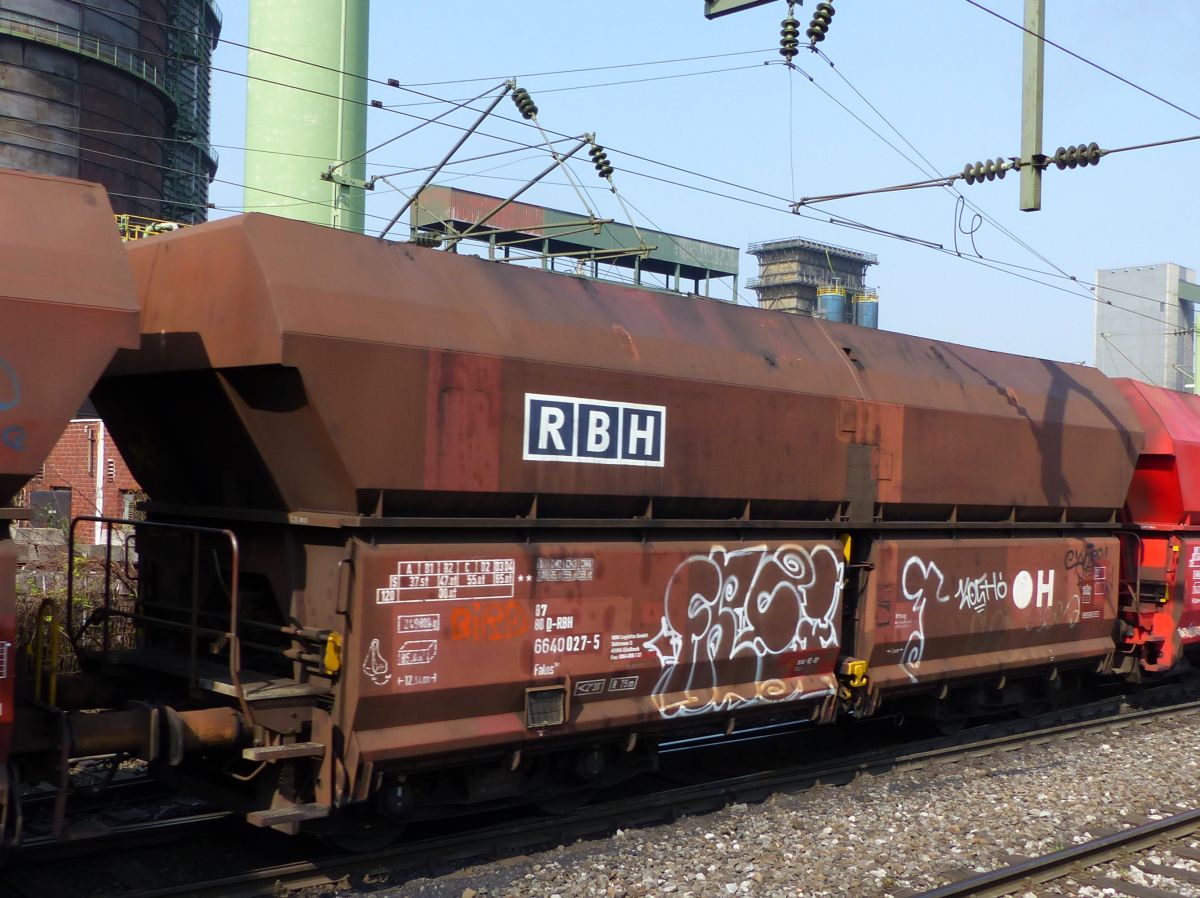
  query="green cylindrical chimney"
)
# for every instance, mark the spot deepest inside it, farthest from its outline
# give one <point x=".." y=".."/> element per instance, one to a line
<point x="306" y="109"/>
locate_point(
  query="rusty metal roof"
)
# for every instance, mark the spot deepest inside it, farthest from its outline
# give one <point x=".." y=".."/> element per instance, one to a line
<point x="570" y="232"/>
<point x="407" y="370"/>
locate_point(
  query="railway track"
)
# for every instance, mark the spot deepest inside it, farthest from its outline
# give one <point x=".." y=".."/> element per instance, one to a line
<point x="511" y="837"/>
<point x="1124" y="862"/>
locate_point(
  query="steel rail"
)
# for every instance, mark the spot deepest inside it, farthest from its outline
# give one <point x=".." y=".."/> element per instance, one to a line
<point x="622" y="813"/>
<point x="133" y="788"/>
<point x="117" y="834"/>
<point x="1058" y="864"/>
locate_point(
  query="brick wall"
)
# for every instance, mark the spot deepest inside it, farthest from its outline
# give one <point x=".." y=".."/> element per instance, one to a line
<point x="86" y="462"/>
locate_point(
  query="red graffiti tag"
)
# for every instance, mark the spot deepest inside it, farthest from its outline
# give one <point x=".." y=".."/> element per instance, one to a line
<point x="489" y="621"/>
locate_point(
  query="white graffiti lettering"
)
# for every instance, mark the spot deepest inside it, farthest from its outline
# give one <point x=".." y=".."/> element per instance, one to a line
<point x="974" y="593"/>
<point x="727" y="614"/>
<point x="920" y="581"/>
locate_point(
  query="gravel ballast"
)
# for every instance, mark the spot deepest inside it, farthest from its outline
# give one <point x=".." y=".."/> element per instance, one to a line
<point x="887" y="835"/>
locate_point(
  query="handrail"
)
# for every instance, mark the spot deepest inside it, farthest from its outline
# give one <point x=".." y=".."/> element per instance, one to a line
<point x="235" y="643"/>
<point x="787" y="243"/>
<point x="785" y="278"/>
<point x="139" y="227"/>
<point x="71" y="39"/>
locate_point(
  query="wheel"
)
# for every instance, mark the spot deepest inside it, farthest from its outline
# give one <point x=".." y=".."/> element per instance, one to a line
<point x="362" y="834"/>
<point x="563" y="802"/>
<point x="11" y="823"/>
<point x="949" y="726"/>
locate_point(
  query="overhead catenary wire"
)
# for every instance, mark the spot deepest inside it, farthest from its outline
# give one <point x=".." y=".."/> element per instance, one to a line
<point x="945" y="180"/>
<point x="416" y="128"/>
<point x="629" y="154"/>
<point x="1084" y="60"/>
<point x="656" y="162"/>
<point x="843" y="222"/>
<point x="929" y="170"/>
<point x="393" y="83"/>
<point x="768" y="195"/>
<point x="388" y="83"/>
<point x="573" y="87"/>
<point x="413" y="115"/>
<point x="425" y="119"/>
<point x="370" y="105"/>
<point x="993" y="264"/>
<point x="1082" y="289"/>
<point x="505" y="88"/>
<point x="226" y="146"/>
<point x="1133" y="364"/>
<point x="837" y="222"/>
<point x="167" y="168"/>
<point x="558" y="163"/>
<point x="600" y="68"/>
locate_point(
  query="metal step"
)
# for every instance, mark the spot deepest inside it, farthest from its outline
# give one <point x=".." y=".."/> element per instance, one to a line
<point x="273" y="753"/>
<point x="213" y="677"/>
<point x="295" y="814"/>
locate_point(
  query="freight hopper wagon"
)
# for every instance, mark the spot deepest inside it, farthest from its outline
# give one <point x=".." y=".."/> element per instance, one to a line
<point x="67" y="303"/>
<point x="435" y="532"/>
<point x="1160" y="589"/>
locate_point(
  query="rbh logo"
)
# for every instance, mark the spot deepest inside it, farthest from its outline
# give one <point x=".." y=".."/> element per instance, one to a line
<point x="562" y="428"/>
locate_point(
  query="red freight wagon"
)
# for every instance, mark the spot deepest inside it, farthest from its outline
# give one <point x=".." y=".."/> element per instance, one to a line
<point x="1161" y="591"/>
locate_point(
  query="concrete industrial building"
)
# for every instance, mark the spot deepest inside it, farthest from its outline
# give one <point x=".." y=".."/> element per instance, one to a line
<point x="1158" y="349"/>
<point x="807" y="277"/>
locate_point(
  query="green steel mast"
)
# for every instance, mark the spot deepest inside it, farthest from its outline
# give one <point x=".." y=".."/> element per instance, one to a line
<point x="306" y="110"/>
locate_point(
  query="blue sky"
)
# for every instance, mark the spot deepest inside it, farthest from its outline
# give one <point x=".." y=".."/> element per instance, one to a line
<point x="945" y="75"/>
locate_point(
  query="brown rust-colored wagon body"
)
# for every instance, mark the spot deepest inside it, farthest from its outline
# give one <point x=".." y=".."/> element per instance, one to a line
<point x="67" y="303"/>
<point x="485" y="517"/>
<point x="410" y="379"/>
<point x="941" y="609"/>
<point x="615" y="636"/>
